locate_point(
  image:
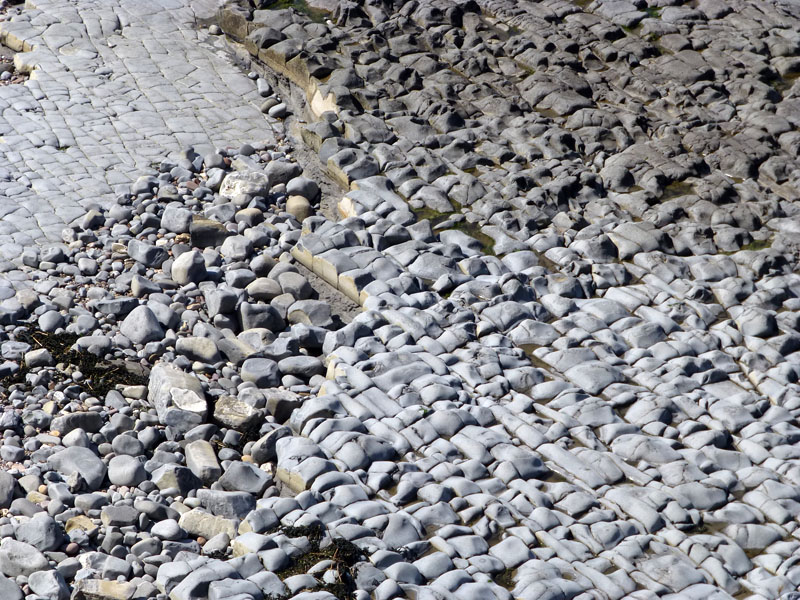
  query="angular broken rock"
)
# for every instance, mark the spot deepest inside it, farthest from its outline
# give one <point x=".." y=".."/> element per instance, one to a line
<point x="206" y="233"/>
<point x="281" y="403"/>
<point x="177" y="396"/>
<point x="249" y="183"/>
<point x="100" y="589"/>
<point x="235" y="414"/>
<point x="202" y="461"/>
<point x="229" y="504"/>
<point x="200" y="523"/>
<point x="175" y="477"/>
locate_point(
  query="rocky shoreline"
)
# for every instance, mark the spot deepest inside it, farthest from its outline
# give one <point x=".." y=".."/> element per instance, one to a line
<point x="545" y="347"/>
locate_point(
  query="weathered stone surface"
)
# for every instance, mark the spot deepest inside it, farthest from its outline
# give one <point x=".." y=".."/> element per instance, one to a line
<point x="177" y="396"/>
<point x="250" y="183"/>
<point x="202" y="461"/>
<point x="81" y="461"/>
<point x="197" y="522"/>
<point x="18" y="558"/>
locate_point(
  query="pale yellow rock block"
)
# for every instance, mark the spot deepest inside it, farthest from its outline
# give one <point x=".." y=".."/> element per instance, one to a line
<point x="334" y="370"/>
<point x="326" y="270"/>
<point x="80" y="522"/>
<point x="36" y="497"/>
<point x="320" y="104"/>
<point x="303" y="256"/>
<point x="199" y="523"/>
<point x="348" y="285"/>
<point x="347" y="208"/>
<point x="100" y="589"/>
<point x="293" y="480"/>
<point x="340" y="176"/>
<point x="299" y="207"/>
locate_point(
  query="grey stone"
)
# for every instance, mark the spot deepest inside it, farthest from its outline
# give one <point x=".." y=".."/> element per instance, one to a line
<point x="757" y="322"/>
<point x="221" y="301"/>
<point x="202" y="461"/>
<point x="236" y="248"/>
<point x="51" y="320"/>
<point x="261" y="371"/>
<point x="315" y="313"/>
<point x="533" y="333"/>
<point x="260" y="316"/>
<point x="127" y="445"/>
<point x="250" y="183"/>
<point x="282" y="171"/>
<point x="107" y="566"/>
<point x="41" y="532"/>
<point x="640" y="447"/>
<point x="168" y="529"/>
<point x="89" y="421"/>
<point x="19" y="558"/>
<point x="594" y="376"/>
<point x="304" y="367"/>
<point x="231" y="505"/>
<point x="195" y="585"/>
<point x="295" y="284"/>
<point x="175" y="477"/>
<point x="189" y="267"/>
<point x="119" y="516"/>
<point x="264" y="449"/>
<point x="302" y="186"/>
<point x="244" y="477"/>
<point x="202" y="349"/>
<point x="117" y="306"/>
<point x="512" y="551"/>
<point x="206" y="233"/>
<point x="176" y="218"/>
<point x="9" y="589"/>
<point x="141" y="287"/>
<point x="8" y="487"/>
<point x="401" y="530"/>
<point x="79" y="460"/>
<point x="235" y="414"/>
<point x="673" y="572"/>
<point x="147" y="254"/>
<point x="751" y="536"/>
<point x="49" y="584"/>
<point x="38" y="358"/>
<point x="170" y="390"/>
<point x="126" y="470"/>
<point x="141" y="326"/>
<point x="264" y="289"/>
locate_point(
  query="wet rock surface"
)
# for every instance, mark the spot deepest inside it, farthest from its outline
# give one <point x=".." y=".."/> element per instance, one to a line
<point x="546" y="346"/>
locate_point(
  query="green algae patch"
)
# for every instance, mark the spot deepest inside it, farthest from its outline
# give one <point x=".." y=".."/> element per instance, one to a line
<point x="471" y="229"/>
<point x="676" y="190"/>
<point x="99" y="376"/>
<point x="342" y="554"/>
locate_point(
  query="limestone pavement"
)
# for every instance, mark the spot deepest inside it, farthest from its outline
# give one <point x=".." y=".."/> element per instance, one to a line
<point x="114" y="86"/>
